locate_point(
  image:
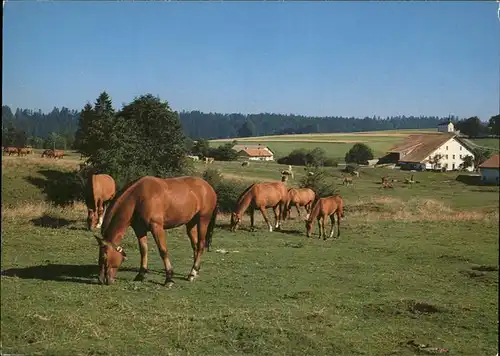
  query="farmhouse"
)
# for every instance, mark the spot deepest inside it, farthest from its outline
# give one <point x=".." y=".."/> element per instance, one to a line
<point x="489" y="169"/>
<point x="254" y="152"/>
<point x="443" y="151"/>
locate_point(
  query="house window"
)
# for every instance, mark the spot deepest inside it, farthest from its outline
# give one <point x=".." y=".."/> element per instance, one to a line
<point x="453" y="156"/>
<point x="460" y="156"/>
<point x="460" y="148"/>
<point x="446" y="148"/>
<point x="446" y="155"/>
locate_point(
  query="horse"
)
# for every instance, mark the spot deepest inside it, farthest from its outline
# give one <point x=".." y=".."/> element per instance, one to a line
<point x="100" y="188"/>
<point x="58" y="154"/>
<point x="299" y="197"/>
<point x="48" y="153"/>
<point x="261" y="196"/>
<point x="329" y="206"/>
<point x="155" y="204"/>
<point x="347" y="181"/>
<point x="10" y="150"/>
<point x="245" y="164"/>
<point x="23" y="151"/>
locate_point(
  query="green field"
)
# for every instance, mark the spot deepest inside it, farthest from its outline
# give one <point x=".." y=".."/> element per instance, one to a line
<point x="417" y="262"/>
<point x="336" y="145"/>
<point x="493" y="143"/>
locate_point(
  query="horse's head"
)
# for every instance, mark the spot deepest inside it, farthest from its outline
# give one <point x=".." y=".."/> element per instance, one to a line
<point x="110" y="259"/>
<point x="309" y="227"/>
<point x="91" y="219"/>
<point x="235" y="221"/>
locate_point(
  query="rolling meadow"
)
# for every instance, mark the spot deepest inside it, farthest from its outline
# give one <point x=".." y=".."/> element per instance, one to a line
<point x="414" y="265"/>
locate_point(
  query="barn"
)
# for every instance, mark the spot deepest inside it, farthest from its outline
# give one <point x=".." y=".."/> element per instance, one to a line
<point x="489" y="170"/>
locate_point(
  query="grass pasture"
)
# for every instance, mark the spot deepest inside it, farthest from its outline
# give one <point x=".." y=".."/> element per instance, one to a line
<point x="412" y="263"/>
<point x="335" y="144"/>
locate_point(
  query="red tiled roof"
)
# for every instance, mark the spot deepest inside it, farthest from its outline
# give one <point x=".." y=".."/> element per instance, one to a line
<point x="492" y="162"/>
<point x="257" y="152"/>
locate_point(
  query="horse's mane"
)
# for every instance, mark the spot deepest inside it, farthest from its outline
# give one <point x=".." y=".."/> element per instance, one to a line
<point x="245" y="192"/>
<point x="115" y="199"/>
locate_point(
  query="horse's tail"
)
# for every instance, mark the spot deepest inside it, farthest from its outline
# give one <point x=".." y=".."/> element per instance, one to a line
<point x="211" y="226"/>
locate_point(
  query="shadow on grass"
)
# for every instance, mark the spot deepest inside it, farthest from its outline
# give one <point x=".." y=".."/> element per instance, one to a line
<point x="86" y="274"/>
<point x="469" y="179"/>
<point x="51" y="222"/>
<point x="61" y="188"/>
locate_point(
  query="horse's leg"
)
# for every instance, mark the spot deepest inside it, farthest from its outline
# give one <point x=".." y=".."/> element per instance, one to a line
<point x="319" y="226"/>
<point x="142" y="238"/>
<point x="100" y="213"/>
<point x="264" y="214"/>
<point x="192" y="231"/>
<point x="252" y="218"/>
<point x="338" y="223"/>
<point x="202" y="234"/>
<point x="276" y="211"/>
<point x="298" y="210"/>
<point x="332" y="220"/>
<point x="161" y="242"/>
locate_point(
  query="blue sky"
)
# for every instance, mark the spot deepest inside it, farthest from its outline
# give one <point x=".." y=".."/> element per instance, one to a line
<point x="310" y="58"/>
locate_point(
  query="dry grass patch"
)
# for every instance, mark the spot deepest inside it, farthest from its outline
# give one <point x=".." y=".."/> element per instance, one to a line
<point x="14" y="161"/>
<point x="389" y="208"/>
<point x="38" y="209"/>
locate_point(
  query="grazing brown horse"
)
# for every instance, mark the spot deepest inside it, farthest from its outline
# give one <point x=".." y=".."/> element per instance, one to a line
<point x="10" y="150"/>
<point x="155" y="204"/>
<point x="23" y="151"/>
<point x="48" y="153"/>
<point x="299" y="197"/>
<point x="261" y="196"/>
<point x="329" y="206"/>
<point x="58" y="154"/>
<point x="100" y="188"/>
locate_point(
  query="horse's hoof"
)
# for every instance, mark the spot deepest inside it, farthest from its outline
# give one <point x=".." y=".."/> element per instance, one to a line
<point x="169" y="284"/>
<point x="191" y="277"/>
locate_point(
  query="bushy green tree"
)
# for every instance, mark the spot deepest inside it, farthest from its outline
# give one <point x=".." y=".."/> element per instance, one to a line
<point x="359" y="153"/>
<point x="201" y="148"/>
<point x="494" y="125"/>
<point x="146" y="139"/>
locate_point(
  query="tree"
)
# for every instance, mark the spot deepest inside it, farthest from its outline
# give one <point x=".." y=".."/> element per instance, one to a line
<point x="146" y="139"/>
<point x="247" y="129"/>
<point x="224" y="152"/>
<point x="471" y="127"/>
<point x="201" y="148"/>
<point x="14" y="137"/>
<point x="359" y="153"/>
<point x="494" y="125"/>
<point x="468" y="161"/>
<point x="435" y="161"/>
<point x="480" y="155"/>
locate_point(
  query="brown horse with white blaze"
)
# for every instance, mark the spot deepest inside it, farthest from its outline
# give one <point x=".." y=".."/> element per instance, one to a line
<point x="100" y="189"/>
<point x="261" y="196"/>
<point x="155" y="204"/>
<point x="300" y="197"/>
<point x="324" y="207"/>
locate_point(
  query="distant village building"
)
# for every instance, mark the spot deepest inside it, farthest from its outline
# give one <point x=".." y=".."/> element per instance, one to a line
<point x="419" y="152"/>
<point x="446" y="126"/>
<point x="254" y="152"/>
<point x="490" y="170"/>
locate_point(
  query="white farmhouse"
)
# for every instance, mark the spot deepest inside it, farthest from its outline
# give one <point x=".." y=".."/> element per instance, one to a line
<point x="420" y="152"/>
<point x="489" y="169"/>
<point x="446" y="126"/>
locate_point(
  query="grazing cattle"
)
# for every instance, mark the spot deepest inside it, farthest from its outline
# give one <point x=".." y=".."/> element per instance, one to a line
<point x="299" y="197"/>
<point x="209" y="160"/>
<point x="347" y="181"/>
<point x="245" y="164"/>
<point x="324" y="207"/>
<point x="194" y="158"/>
<point x="355" y="173"/>
<point x="261" y="196"/>
<point x="10" y="150"/>
<point x="100" y="188"/>
<point x="155" y="204"/>
<point x="310" y="173"/>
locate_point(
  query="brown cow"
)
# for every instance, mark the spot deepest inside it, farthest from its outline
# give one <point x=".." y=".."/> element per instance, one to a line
<point x="100" y="188"/>
<point x="155" y="204"/>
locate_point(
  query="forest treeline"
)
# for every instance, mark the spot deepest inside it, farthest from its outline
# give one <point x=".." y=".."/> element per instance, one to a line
<point x="58" y="126"/>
